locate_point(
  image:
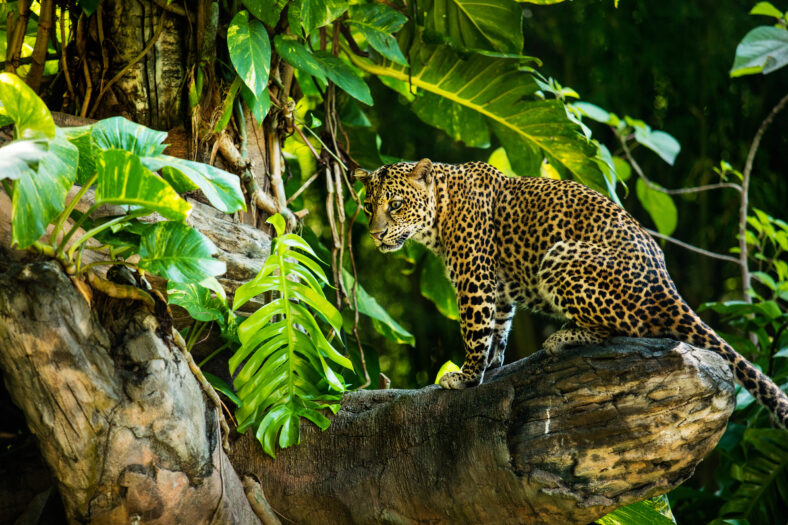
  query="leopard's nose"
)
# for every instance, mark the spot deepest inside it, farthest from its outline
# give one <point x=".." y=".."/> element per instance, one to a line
<point x="378" y="234"/>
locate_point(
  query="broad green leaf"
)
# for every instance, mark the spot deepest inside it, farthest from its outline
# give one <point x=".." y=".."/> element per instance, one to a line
<point x="39" y="197"/>
<point x="500" y="161"/>
<point x="641" y="513"/>
<point x="227" y="105"/>
<point x="197" y="300"/>
<point x="436" y="287"/>
<point x="595" y="113"/>
<point x="383" y="322"/>
<point x="30" y="115"/>
<point x="298" y="56"/>
<point x="317" y="13"/>
<point x="659" y="206"/>
<point x="179" y="253"/>
<point x="459" y="122"/>
<point x="250" y="51"/>
<point x="376" y="22"/>
<point x="222" y="189"/>
<point x="81" y="138"/>
<point x="763" y="477"/>
<point x="122" y="179"/>
<point x="88" y="6"/>
<point x="121" y="133"/>
<point x="278" y="222"/>
<point x="659" y="142"/>
<point x="266" y="10"/>
<point x="19" y="158"/>
<point x="766" y="9"/>
<point x="762" y="50"/>
<point x="344" y="76"/>
<point x="476" y="24"/>
<point x="498" y="90"/>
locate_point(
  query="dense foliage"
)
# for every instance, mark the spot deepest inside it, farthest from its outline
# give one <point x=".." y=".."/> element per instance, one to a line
<point x="453" y="81"/>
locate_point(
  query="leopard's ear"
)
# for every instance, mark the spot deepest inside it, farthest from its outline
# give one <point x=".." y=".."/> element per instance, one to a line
<point x="422" y="171"/>
<point x="362" y="175"/>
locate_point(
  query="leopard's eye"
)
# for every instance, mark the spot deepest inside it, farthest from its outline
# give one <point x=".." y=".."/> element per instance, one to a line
<point x="395" y="205"/>
<point x="368" y="208"/>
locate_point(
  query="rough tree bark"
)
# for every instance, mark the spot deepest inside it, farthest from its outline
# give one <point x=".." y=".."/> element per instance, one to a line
<point x="127" y="431"/>
<point x="544" y="440"/>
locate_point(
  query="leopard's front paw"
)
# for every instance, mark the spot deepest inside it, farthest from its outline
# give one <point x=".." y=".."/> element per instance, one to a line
<point x="458" y="380"/>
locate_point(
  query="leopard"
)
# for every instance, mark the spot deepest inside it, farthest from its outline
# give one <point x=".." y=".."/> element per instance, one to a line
<point x="548" y="245"/>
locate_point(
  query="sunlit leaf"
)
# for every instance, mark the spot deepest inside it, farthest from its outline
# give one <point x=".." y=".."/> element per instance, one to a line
<point x="179" y="253"/>
<point x="19" y="158"/>
<point x="377" y="22"/>
<point x="659" y="206"/>
<point x="250" y="50"/>
<point x="121" y="133"/>
<point x="762" y="50"/>
<point x="28" y="112"/>
<point x="40" y="196"/>
<point x="266" y="10"/>
<point x="122" y="179"/>
<point x="298" y="56"/>
<point x="317" y="13"/>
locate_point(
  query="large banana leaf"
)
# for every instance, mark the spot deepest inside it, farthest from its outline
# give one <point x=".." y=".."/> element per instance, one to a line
<point x="281" y="369"/>
<point x="496" y="88"/>
<point x="476" y="24"/>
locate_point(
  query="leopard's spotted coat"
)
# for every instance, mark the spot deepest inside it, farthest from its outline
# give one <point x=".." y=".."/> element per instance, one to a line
<point x="548" y="245"/>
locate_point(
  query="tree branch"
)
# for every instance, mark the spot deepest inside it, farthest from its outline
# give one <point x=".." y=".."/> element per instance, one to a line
<point x="745" y="184"/>
<point x="692" y="248"/>
<point x="547" y="439"/>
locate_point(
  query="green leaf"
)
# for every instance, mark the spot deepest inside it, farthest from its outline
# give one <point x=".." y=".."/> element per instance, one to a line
<point x="476" y="24"/>
<point x="81" y="138"/>
<point x="763" y="477"/>
<point x="766" y="9"/>
<point x="266" y="10"/>
<point x="197" y="300"/>
<point x="39" y="197"/>
<point x="497" y="89"/>
<point x="317" y="13"/>
<point x="19" y="158"/>
<point x="447" y="367"/>
<point x="344" y="76"/>
<point x="259" y="104"/>
<point x="30" y="115"/>
<point x="436" y="287"/>
<point x="762" y="50"/>
<point x="659" y="142"/>
<point x="382" y="321"/>
<point x="221" y="386"/>
<point x="121" y="133"/>
<point x="222" y="189"/>
<point x="659" y="206"/>
<point x="250" y="51"/>
<point x="595" y="113"/>
<point x="459" y="122"/>
<point x="298" y="56"/>
<point x="122" y="179"/>
<point x="179" y="253"/>
<point x="641" y="513"/>
<point x="376" y="22"/>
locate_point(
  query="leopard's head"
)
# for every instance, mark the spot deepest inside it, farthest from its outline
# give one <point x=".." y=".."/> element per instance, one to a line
<point x="399" y="202"/>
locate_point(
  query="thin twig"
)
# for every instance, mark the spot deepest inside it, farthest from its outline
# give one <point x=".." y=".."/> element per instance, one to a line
<point x="309" y="144"/>
<point x="745" y="183"/>
<point x="133" y="62"/>
<point x="677" y="191"/>
<point x="300" y="190"/>
<point x="692" y="248"/>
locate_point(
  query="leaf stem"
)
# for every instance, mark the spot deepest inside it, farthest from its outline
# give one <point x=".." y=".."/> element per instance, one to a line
<point x="77" y="225"/>
<point x="67" y="212"/>
<point x="102" y="227"/>
<point x="213" y="354"/>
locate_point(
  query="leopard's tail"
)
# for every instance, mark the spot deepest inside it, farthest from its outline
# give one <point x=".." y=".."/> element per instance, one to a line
<point x="758" y="384"/>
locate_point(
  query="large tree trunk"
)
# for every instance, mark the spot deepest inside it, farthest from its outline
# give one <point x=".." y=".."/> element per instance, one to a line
<point x="127" y="431"/>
